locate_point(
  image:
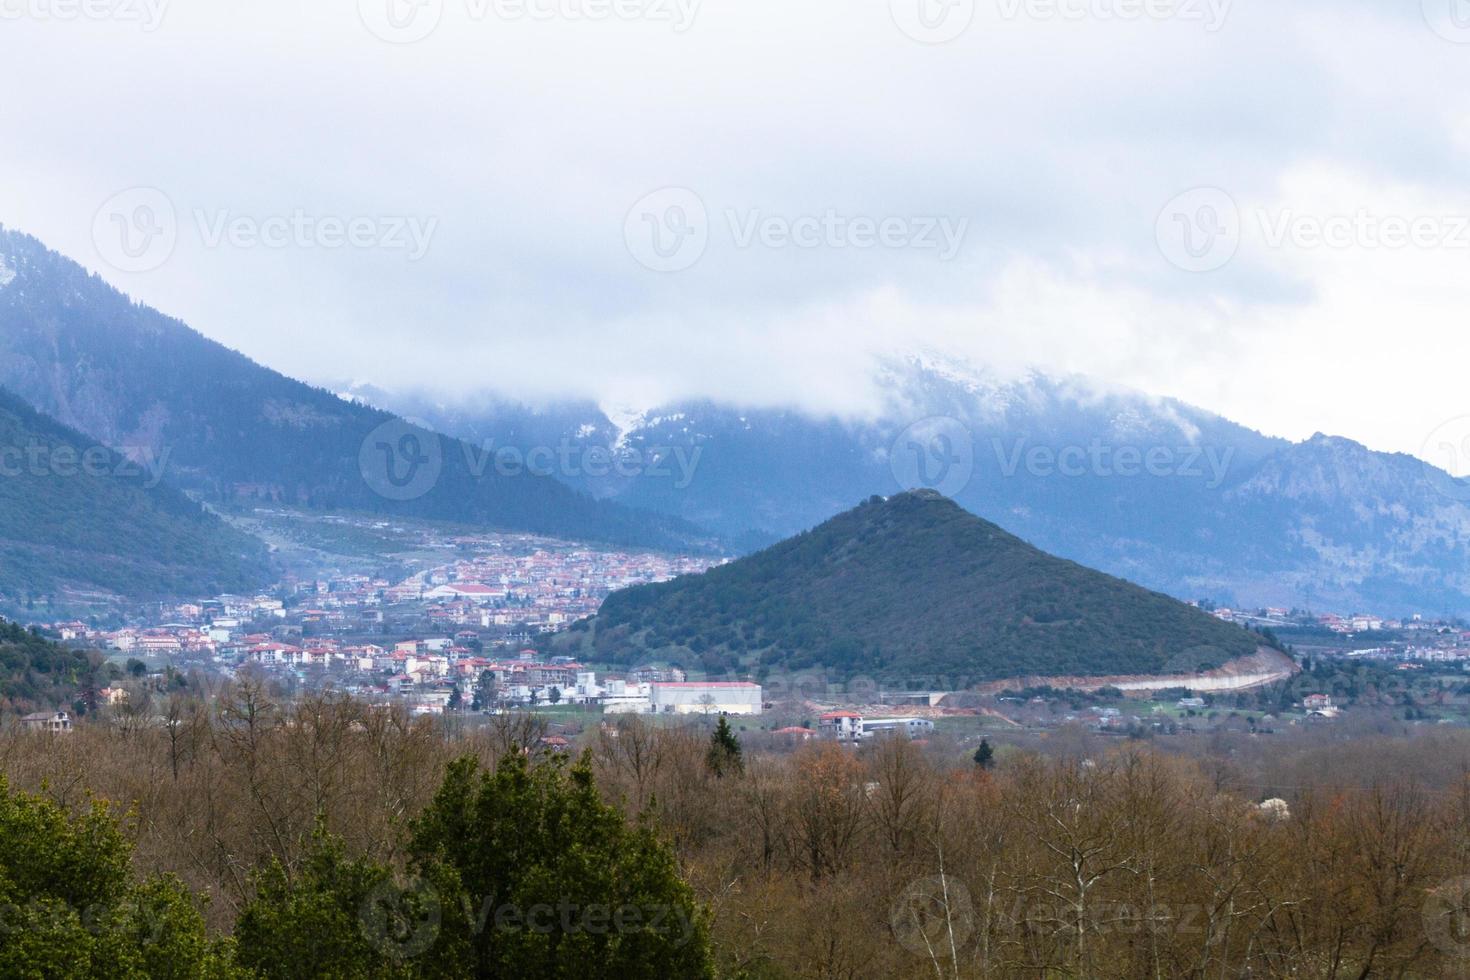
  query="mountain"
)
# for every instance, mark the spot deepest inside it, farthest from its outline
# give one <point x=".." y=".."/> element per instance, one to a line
<point x="236" y="431"/>
<point x="77" y="516"/>
<point x="906" y="587"/>
<point x="1353" y="523"/>
<point x="1153" y="490"/>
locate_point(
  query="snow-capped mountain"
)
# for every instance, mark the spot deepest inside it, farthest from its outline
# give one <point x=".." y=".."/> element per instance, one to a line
<point x="1155" y="490"/>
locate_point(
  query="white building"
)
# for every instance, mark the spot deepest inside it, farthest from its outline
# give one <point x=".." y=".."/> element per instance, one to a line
<point x="471" y="591"/>
<point x="621" y="698"/>
<point x="706" y="697"/>
<point x="55" y="722"/>
<point x="843" y="725"/>
<point x="907" y="727"/>
<point x="586" y="690"/>
<point x="849" y="726"/>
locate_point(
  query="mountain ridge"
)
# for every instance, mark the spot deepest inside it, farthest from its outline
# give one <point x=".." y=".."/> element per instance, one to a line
<point x="85" y="353"/>
<point x="1236" y="516"/>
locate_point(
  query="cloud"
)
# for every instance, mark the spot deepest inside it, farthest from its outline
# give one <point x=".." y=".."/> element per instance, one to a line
<point x="1055" y="138"/>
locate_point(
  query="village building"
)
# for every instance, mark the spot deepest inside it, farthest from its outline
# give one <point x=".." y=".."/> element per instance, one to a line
<point x="51" y="722"/>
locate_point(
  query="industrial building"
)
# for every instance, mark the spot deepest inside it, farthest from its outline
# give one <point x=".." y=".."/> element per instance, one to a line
<point x="706" y="697"/>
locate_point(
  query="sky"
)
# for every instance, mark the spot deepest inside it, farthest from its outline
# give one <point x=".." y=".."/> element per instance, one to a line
<point x="1258" y="206"/>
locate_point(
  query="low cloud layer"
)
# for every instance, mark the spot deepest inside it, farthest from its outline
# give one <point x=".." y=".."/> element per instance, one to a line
<point x="1253" y="207"/>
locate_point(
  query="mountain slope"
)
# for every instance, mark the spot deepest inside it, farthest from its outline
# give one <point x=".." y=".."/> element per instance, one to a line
<point x="1150" y="489"/>
<point x="906" y="587"/>
<point x="129" y="376"/>
<point x="1350" y="522"/>
<point x="77" y="515"/>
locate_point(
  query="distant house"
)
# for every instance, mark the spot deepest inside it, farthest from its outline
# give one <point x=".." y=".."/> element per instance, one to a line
<point x="556" y="743"/>
<point x="845" y="725"/>
<point x="55" y="722"/>
<point x="852" y="727"/>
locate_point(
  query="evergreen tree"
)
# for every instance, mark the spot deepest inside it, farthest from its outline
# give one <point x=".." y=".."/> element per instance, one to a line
<point x="337" y="917"/>
<point x="724" y="756"/>
<point x="74" y="909"/>
<point x="484" y="698"/>
<point x="985" y="755"/>
<point x="556" y="882"/>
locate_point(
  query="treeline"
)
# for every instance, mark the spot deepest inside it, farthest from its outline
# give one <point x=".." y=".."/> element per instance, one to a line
<point x="331" y="838"/>
<point x="518" y="870"/>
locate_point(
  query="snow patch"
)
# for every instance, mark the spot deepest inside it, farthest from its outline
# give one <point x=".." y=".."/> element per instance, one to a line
<point x="625" y="419"/>
<point x="7" y="274"/>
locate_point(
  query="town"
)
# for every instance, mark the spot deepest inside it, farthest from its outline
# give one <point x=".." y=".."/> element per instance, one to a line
<point x="459" y="637"/>
<point x="446" y="636"/>
<point x="448" y="621"/>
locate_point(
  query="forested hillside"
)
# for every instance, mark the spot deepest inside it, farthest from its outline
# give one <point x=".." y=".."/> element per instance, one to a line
<point x="903" y="586"/>
<point x="74" y="514"/>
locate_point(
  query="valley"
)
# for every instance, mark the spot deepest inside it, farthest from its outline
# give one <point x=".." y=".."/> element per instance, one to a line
<point x="663" y="490"/>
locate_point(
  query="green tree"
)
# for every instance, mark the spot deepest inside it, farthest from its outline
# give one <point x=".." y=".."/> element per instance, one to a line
<point x="484" y="692"/>
<point x="985" y="755"/>
<point x="74" y="909"/>
<point x="724" y="755"/>
<point x="338" y="917"/>
<point x="556" y="882"/>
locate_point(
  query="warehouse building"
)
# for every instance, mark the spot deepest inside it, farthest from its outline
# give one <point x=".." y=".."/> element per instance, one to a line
<point x="706" y="697"/>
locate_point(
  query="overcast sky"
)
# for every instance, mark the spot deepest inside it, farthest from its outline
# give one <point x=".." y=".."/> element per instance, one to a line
<point x="1261" y="207"/>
